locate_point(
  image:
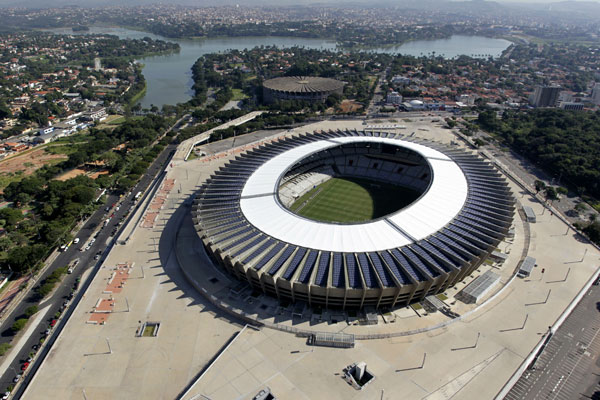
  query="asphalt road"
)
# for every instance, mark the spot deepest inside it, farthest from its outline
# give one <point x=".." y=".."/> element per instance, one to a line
<point x="568" y="367"/>
<point x="86" y="261"/>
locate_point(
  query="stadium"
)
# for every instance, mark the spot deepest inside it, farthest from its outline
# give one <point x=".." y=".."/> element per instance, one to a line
<point x="305" y="88"/>
<point x="352" y="219"/>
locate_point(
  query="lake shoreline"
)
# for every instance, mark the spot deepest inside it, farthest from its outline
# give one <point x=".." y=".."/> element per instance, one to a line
<point x="168" y="76"/>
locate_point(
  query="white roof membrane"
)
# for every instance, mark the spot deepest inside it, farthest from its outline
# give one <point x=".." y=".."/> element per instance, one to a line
<point x="436" y="208"/>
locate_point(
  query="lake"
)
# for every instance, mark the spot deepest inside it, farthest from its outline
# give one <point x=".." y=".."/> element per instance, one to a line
<point x="169" y="77"/>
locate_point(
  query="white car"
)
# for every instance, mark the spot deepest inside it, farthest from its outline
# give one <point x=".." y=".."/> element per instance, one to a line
<point x="76" y="240"/>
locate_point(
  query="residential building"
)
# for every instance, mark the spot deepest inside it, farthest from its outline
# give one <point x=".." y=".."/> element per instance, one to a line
<point x="545" y="96"/>
<point x="394" y="98"/>
<point x="569" y="105"/>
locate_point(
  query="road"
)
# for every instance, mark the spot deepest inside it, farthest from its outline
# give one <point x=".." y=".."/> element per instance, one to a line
<point x="568" y="367"/>
<point x="377" y="95"/>
<point x="56" y="299"/>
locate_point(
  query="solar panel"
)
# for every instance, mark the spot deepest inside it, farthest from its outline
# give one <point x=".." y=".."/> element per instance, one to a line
<point x="256" y="252"/>
<point x="464" y="231"/>
<point x="248" y="246"/>
<point x="239" y="241"/>
<point x="367" y="271"/>
<point x="437" y="243"/>
<point x="418" y="263"/>
<point x="456" y="241"/>
<point x="383" y="273"/>
<point x="395" y="268"/>
<point x="219" y="223"/>
<point x="282" y="259"/>
<point x="322" y="272"/>
<point x="269" y="256"/>
<point x="294" y="263"/>
<point x="430" y="261"/>
<point x="308" y="266"/>
<point x="227" y="229"/>
<point x="337" y="275"/>
<point x="407" y="266"/>
<point x="248" y="229"/>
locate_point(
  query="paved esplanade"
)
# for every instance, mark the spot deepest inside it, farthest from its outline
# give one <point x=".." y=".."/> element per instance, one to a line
<point x="191" y="332"/>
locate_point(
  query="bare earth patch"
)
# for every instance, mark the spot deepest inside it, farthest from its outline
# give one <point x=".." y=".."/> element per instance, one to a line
<point x="93" y="174"/>
<point x="349" y="106"/>
<point x="27" y="163"/>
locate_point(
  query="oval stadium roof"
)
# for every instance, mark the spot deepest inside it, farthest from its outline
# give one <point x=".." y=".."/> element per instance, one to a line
<point x="303" y="84"/>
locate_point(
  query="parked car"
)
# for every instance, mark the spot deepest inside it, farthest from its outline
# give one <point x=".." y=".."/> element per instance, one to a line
<point x="76" y="240"/>
<point x="24" y="366"/>
<point x="53" y="323"/>
<point x="72" y="266"/>
<point x="17" y="378"/>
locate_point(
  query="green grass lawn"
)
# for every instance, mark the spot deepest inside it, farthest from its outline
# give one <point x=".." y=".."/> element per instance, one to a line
<point x="238" y="95"/>
<point x="116" y="121"/>
<point x="148" y="331"/>
<point x="352" y="200"/>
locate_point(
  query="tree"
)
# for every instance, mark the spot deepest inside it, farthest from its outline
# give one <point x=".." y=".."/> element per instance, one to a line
<point x="450" y="122"/>
<point x="45" y="289"/>
<point x="11" y="216"/>
<point x="539" y="186"/>
<point x="593" y="232"/>
<point x="30" y="311"/>
<point x="19" y="324"/>
<point x="551" y="193"/>
<point x="4" y="347"/>
<point x="4" y="111"/>
<point x="580" y="208"/>
<point x="21" y="259"/>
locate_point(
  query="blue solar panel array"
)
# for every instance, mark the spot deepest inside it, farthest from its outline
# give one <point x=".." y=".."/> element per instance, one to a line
<point x="383" y="273"/>
<point x="395" y="268"/>
<point x="323" y="271"/>
<point x="247" y="246"/>
<point x="282" y="259"/>
<point x="289" y="272"/>
<point x="447" y="250"/>
<point x="258" y="251"/>
<point x="337" y="273"/>
<point x="419" y="264"/>
<point x="308" y="266"/>
<point x="238" y="233"/>
<point x="367" y="271"/>
<point x="269" y="256"/>
<point x="407" y="266"/>
<point x="430" y="261"/>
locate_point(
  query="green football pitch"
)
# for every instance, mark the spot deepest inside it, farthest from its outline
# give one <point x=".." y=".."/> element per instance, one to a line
<point x="352" y="200"/>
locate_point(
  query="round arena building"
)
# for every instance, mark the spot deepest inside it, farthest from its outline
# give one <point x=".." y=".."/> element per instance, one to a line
<point x="306" y="88"/>
<point x="353" y="219"/>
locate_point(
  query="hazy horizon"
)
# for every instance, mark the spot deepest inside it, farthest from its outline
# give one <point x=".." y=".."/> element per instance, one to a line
<point x="204" y="3"/>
